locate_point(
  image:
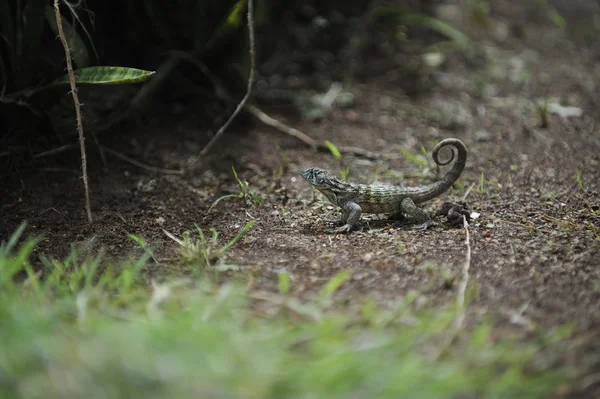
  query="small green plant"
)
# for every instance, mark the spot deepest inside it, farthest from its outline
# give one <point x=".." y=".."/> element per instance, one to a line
<point x="244" y="195"/>
<point x="206" y="250"/>
<point x="542" y="111"/>
<point x="144" y="245"/>
<point x="554" y="16"/>
<point x="429" y="267"/>
<point x="345" y="173"/>
<point x="481" y="189"/>
<point x="480" y="12"/>
<point x="448" y="278"/>
<point x="457" y="39"/>
<point x="284" y="283"/>
<point x="414" y="158"/>
<point x="74" y="277"/>
<point x="11" y="265"/>
<point x="333" y="149"/>
<point x="479" y="85"/>
<point x="333" y="285"/>
<point x="401" y="247"/>
<point x="459" y="185"/>
<point x="579" y="180"/>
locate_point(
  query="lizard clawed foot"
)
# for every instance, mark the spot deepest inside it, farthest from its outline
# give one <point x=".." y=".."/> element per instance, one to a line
<point x="454" y="211"/>
<point x="343" y="229"/>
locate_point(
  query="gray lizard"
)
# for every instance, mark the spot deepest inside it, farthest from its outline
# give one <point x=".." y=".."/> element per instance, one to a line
<point x="355" y="199"/>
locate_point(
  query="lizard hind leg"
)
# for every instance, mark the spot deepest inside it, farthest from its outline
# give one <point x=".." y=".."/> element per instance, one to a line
<point x="410" y="212"/>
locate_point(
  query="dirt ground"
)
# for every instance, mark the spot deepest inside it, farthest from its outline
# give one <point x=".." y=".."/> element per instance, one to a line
<point x="535" y="246"/>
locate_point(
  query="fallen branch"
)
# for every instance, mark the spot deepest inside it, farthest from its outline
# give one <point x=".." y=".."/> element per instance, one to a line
<point x="290" y="131"/>
<point x="460" y="296"/>
<point x="520" y="225"/>
<point x="303" y="137"/>
<point x="53" y="151"/>
<point x="77" y="105"/>
<point x="464" y="197"/>
<point x="117" y="154"/>
<point x="140" y="164"/>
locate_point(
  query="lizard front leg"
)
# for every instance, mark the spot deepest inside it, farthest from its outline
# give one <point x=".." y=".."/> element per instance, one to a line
<point x="410" y="211"/>
<point x="350" y="216"/>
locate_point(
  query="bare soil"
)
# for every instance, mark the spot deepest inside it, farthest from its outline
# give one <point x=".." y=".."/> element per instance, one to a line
<point x="535" y="246"/>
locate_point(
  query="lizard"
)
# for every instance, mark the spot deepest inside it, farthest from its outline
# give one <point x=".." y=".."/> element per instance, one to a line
<point x="356" y="199"/>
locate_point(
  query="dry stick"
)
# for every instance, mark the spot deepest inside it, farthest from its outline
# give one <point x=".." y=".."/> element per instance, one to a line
<point x="117" y="154"/>
<point x="77" y="105"/>
<point x="53" y="151"/>
<point x="290" y="131"/>
<point x="460" y="296"/>
<point x="267" y="120"/>
<point x="140" y="164"/>
<point x="464" y="197"/>
<point x="241" y="104"/>
<point x="520" y="225"/>
<point x="100" y="151"/>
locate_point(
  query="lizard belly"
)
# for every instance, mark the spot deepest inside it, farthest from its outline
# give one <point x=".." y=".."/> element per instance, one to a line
<point x="379" y="199"/>
<point x="370" y="207"/>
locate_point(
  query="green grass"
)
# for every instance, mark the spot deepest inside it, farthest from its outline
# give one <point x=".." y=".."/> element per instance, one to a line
<point x="85" y="329"/>
<point x="205" y="251"/>
<point x="244" y="195"/>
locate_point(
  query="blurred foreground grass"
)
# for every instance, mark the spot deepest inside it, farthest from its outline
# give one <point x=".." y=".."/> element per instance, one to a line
<point x="81" y="330"/>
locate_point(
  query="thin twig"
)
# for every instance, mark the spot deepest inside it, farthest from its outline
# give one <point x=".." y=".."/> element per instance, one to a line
<point x="303" y="137"/>
<point x="117" y="154"/>
<point x="520" y="225"/>
<point x="241" y="104"/>
<point x="460" y="296"/>
<point x="77" y="105"/>
<point x="59" y="170"/>
<point x="100" y="150"/>
<point x="464" y="197"/>
<point x="140" y="164"/>
<point x="290" y="131"/>
<point x="53" y="151"/>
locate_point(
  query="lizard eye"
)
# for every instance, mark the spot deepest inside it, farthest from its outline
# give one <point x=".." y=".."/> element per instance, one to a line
<point x="320" y="180"/>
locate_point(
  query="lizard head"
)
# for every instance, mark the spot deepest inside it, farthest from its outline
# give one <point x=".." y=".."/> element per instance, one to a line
<point x="327" y="183"/>
<point x="317" y="177"/>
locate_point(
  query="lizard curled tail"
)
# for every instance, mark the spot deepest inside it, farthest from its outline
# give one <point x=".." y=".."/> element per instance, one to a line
<point x="434" y="189"/>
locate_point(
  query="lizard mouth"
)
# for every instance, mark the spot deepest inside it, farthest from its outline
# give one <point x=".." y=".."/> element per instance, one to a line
<point x="305" y="173"/>
<point x="314" y="176"/>
<point x="308" y="174"/>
